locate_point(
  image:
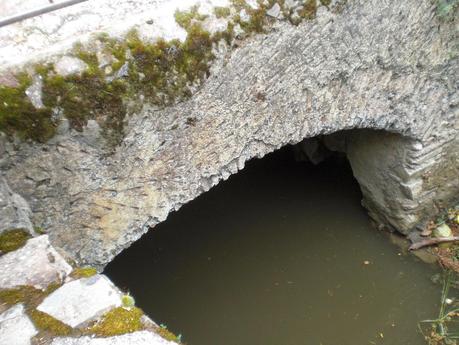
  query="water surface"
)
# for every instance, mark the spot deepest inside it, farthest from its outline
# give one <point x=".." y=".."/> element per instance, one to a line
<point x="280" y="254"/>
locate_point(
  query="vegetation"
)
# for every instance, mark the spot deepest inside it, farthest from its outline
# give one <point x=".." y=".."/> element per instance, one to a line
<point x="83" y="272"/>
<point x="31" y="298"/>
<point x="47" y="323"/>
<point x="119" y="321"/>
<point x="13" y="239"/>
<point x="164" y="72"/>
<point x="444" y="330"/>
<point x="168" y="335"/>
<point x="127" y="301"/>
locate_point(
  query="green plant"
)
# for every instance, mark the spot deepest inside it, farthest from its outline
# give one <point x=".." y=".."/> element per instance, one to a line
<point x="128" y="301"/>
<point x="444" y="330"/>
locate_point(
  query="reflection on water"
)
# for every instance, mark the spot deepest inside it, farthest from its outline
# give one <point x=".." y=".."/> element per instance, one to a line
<point x="281" y="254"/>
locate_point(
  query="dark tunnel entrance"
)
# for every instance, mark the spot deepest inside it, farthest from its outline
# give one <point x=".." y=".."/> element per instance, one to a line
<point x="280" y="254"/>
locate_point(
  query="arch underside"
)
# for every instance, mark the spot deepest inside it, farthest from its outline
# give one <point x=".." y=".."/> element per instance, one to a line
<point x="336" y="73"/>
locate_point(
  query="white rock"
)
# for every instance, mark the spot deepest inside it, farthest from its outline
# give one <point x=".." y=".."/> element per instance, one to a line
<point x="252" y="3"/>
<point x="37" y="264"/>
<point x="214" y="25"/>
<point x="275" y="11"/>
<point x="34" y="92"/>
<point x="82" y="300"/>
<point x="245" y="17"/>
<point x="136" y="338"/>
<point x="68" y="65"/>
<point x="290" y="4"/>
<point x="16" y="327"/>
<point x="442" y="231"/>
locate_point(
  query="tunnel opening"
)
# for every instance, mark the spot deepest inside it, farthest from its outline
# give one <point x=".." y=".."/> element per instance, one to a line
<point x="280" y="253"/>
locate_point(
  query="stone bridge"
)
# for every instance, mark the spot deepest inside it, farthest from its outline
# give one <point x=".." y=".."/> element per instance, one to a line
<point x="381" y="74"/>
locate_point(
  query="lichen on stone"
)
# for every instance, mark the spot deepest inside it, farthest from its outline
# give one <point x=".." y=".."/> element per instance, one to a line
<point x="13" y="239"/>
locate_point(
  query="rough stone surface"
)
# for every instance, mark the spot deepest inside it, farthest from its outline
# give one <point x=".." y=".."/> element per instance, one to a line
<point x="137" y="338"/>
<point x="82" y="300"/>
<point x="16" y="327"/>
<point x="15" y="213"/>
<point x="51" y="33"/>
<point x="374" y="65"/>
<point x="37" y="264"/>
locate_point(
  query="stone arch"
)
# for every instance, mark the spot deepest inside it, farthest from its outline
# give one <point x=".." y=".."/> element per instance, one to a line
<point x="376" y="65"/>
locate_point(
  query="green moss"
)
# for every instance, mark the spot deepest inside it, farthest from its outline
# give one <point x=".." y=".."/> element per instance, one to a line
<point x="309" y="9"/>
<point x="118" y="321"/>
<point x="13" y="239"/>
<point x="166" y="334"/>
<point x="83" y="272"/>
<point x="325" y="2"/>
<point x="19" y="116"/>
<point x="23" y="294"/>
<point x="47" y="323"/>
<point x="31" y="298"/>
<point x="222" y="12"/>
<point x="187" y="18"/>
<point x="128" y="301"/>
<point x="161" y="72"/>
<point x="39" y="230"/>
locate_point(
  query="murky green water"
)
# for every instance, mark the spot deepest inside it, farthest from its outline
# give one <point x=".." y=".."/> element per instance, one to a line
<point x="276" y="256"/>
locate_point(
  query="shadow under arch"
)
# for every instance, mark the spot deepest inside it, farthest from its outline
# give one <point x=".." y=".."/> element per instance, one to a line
<point x="276" y="254"/>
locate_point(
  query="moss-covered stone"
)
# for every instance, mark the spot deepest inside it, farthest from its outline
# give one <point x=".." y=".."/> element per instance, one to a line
<point x="118" y="321"/>
<point x="23" y="294"/>
<point x="19" y="116"/>
<point x="47" y="323"/>
<point x="13" y="239"/>
<point x="163" y="73"/>
<point x="83" y="272"/>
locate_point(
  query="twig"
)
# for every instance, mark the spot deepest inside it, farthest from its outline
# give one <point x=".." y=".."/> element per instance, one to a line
<point x="432" y="241"/>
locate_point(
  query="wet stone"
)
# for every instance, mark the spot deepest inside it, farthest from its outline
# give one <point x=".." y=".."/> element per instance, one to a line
<point x="82" y="300"/>
<point x="37" y="264"/>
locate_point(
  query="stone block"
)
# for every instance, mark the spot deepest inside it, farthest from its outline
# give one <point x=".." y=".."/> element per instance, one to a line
<point x="37" y="264"/>
<point x="82" y="300"/>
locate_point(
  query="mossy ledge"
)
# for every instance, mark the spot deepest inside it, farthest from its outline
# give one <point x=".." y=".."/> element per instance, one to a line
<point x="160" y="73"/>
